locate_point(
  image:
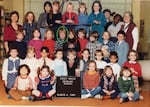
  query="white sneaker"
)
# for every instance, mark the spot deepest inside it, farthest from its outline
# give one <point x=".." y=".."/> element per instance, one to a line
<point x="85" y="96"/>
<point x="97" y="96"/>
<point x="141" y="97"/>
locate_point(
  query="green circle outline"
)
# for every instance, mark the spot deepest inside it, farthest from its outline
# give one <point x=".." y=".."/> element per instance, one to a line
<point x="60" y="41"/>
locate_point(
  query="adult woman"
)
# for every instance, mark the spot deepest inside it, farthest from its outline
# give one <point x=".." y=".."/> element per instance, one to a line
<point x="132" y="36"/>
<point x="10" y="30"/>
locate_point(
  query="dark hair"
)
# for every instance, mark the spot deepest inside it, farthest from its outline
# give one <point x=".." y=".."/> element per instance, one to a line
<point x="82" y="4"/>
<point x="85" y="49"/>
<point x="57" y="3"/>
<point x="118" y="15"/>
<point x="26" y="15"/>
<point x="99" y="3"/>
<point x="125" y="68"/>
<point x="51" y="72"/>
<point x="113" y="53"/>
<point x="34" y="31"/>
<point x="94" y="34"/>
<point x="98" y="51"/>
<point x="47" y="3"/>
<point x="44" y="48"/>
<point x="12" y="47"/>
<point x="134" y="51"/>
<point x="24" y="65"/>
<point x="59" y="50"/>
<point x="83" y="31"/>
<point x="106" y="67"/>
<point x="92" y="61"/>
<point x="14" y="12"/>
<point x="107" y="10"/>
<point x="121" y="32"/>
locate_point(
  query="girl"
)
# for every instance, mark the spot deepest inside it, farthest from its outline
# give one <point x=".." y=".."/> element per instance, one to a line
<point x="30" y="61"/>
<point x="126" y="86"/>
<point x="42" y="23"/>
<point x="10" y="68"/>
<point x="36" y="42"/>
<point x="82" y="39"/>
<point x="59" y="66"/>
<point x="91" y="81"/>
<point x="44" y="82"/>
<point x="97" y="19"/>
<point x="29" y="25"/>
<point x="23" y="84"/>
<point x="49" y="42"/>
<point x="10" y="30"/>
<point x="82" y="17"/>
<point x="135" y="67"/>
<point x="106" y="53"/>
<point x="109" y="84"/>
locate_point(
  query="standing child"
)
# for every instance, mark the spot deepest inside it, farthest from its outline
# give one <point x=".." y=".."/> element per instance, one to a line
<point x="122" y="48"/>
<point x="135" y="67"/>
<point x="91" y="81"/>
<point x="36" y="42"/>
<point x="106" y="42"/>
<point x="113" y="63"/>
<point x="93" y="44"/>
<point x="126" y="86"/>
<point x="82" y="39"/>
<point x="109" y="84"/>
<point x="59" y="66"/>
<point x="23" y="84"/>
<point x="44" y="82"/>
<point x="97" y="19"/>
<point x="10" y="68"/>
<point x="20" y="44"/>
<point x="29" y="25"/>
<point x="49" y="42"/>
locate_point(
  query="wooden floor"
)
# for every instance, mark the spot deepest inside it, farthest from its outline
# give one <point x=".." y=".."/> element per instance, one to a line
<point x="77" y="101"/>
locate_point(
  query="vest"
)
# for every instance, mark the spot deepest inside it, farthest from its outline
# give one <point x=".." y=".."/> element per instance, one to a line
<point x="12" y="64"/>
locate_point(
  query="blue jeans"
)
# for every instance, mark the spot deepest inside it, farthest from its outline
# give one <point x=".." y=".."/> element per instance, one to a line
<point x="92" y="92"/>
<point x="135" y="97"/>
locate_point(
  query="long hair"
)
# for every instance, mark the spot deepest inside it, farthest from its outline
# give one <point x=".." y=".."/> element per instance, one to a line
<point x="26" y="15"/>
<point x="99" y="3"/>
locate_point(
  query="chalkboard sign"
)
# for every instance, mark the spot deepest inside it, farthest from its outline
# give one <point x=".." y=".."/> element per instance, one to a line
<point x="68" y="86"/>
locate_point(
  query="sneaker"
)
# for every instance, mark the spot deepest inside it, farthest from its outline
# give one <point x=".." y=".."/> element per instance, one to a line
<point x="98" y="96"/>
<point x="85" y="96"/>
<point x="141" y="97"/>
<point x="9" y="96"/>
<point x="121" y="100"/>
<point x="30" y="98"/>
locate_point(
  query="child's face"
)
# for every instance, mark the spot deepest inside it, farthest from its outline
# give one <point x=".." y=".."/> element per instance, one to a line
<point x="30" y="17"/>
<point x="31" y="54"/>
<point x="81" y="35"/>
<point x="107" y="15"/>
<point x="23" y="71"/>
<point x="106" y="36"/>
<point x="116" y="20"/>
<point x="92" y="39"/>
<point x="59" y="55"/>
<point x="126" y="73"/>
<point x="49" y="35"/>
<point x="96" y="7"/>
<point x="82" y="9"/>
<point x="120" y="37"/>
<point x="69" y="8"/>
<point x="92" y="67"/>
<point x="62" y="35"/>
<point x="132" y="56"/>
<point x="20" y="36"/>
<point x="99" y="56"/>
<point x="44" y="54"/>
<point x="44" y="72"/>
<point x="113" y="59"/>
<point x="85" y="55"/>
<point x="47" y="8"/>
<point x="13" y="53"/>
<point x="36" y="34"/>
<point x="71" y="36"/>
<point x="109" y="72"/>
<point x="71" y="56"/>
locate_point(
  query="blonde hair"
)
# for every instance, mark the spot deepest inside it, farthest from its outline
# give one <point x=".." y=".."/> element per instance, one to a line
<point x="31" y="49"/>
<point x="51" y="33"/>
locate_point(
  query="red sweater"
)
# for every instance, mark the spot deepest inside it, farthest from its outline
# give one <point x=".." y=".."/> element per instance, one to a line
<point x="91" y="81"/>
<point x="73" y="16"/>
<point x="50" y="44"/>
<point x="136" y="66"/>
<point x="83" y="43"/>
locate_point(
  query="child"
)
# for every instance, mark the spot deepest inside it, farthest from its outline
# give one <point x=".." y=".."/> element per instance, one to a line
<point x="36" y="42"/>
<point x="126" y="86"/>
<point x="59" y="66"/>
<point x="23" y="84"/>
<point x="113" y="63"/>
<point x="82" y="39"/>
<point x="61" y="39"/>
<point x="91" y="81"/>
<point x="122" y="48"/>
<point x="10" y="68"/>
<point x="82" y="17"/>
<point x="31" y="61"/>
<point x="106" y="53"/>
<point x="93" y="44"/>
<point x="72" y="62"/>
<point x="70" y="17"/>
<point x="108" y="15"/>
<point x="135" y="68"/>
<point x="44" y="82"/>
<point x="99" y="62"/>
<point x="83" y="64"/>
<point x="109" y="84"/>
<point x="44" y="60"/>
<point x="49" y="42"/>
<point x="20" y="44"/>
<point x="29" y="25"/>
<point x="72" y="43"/>
<point x="107" y="42"/>
<point x="97" y="19"/>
